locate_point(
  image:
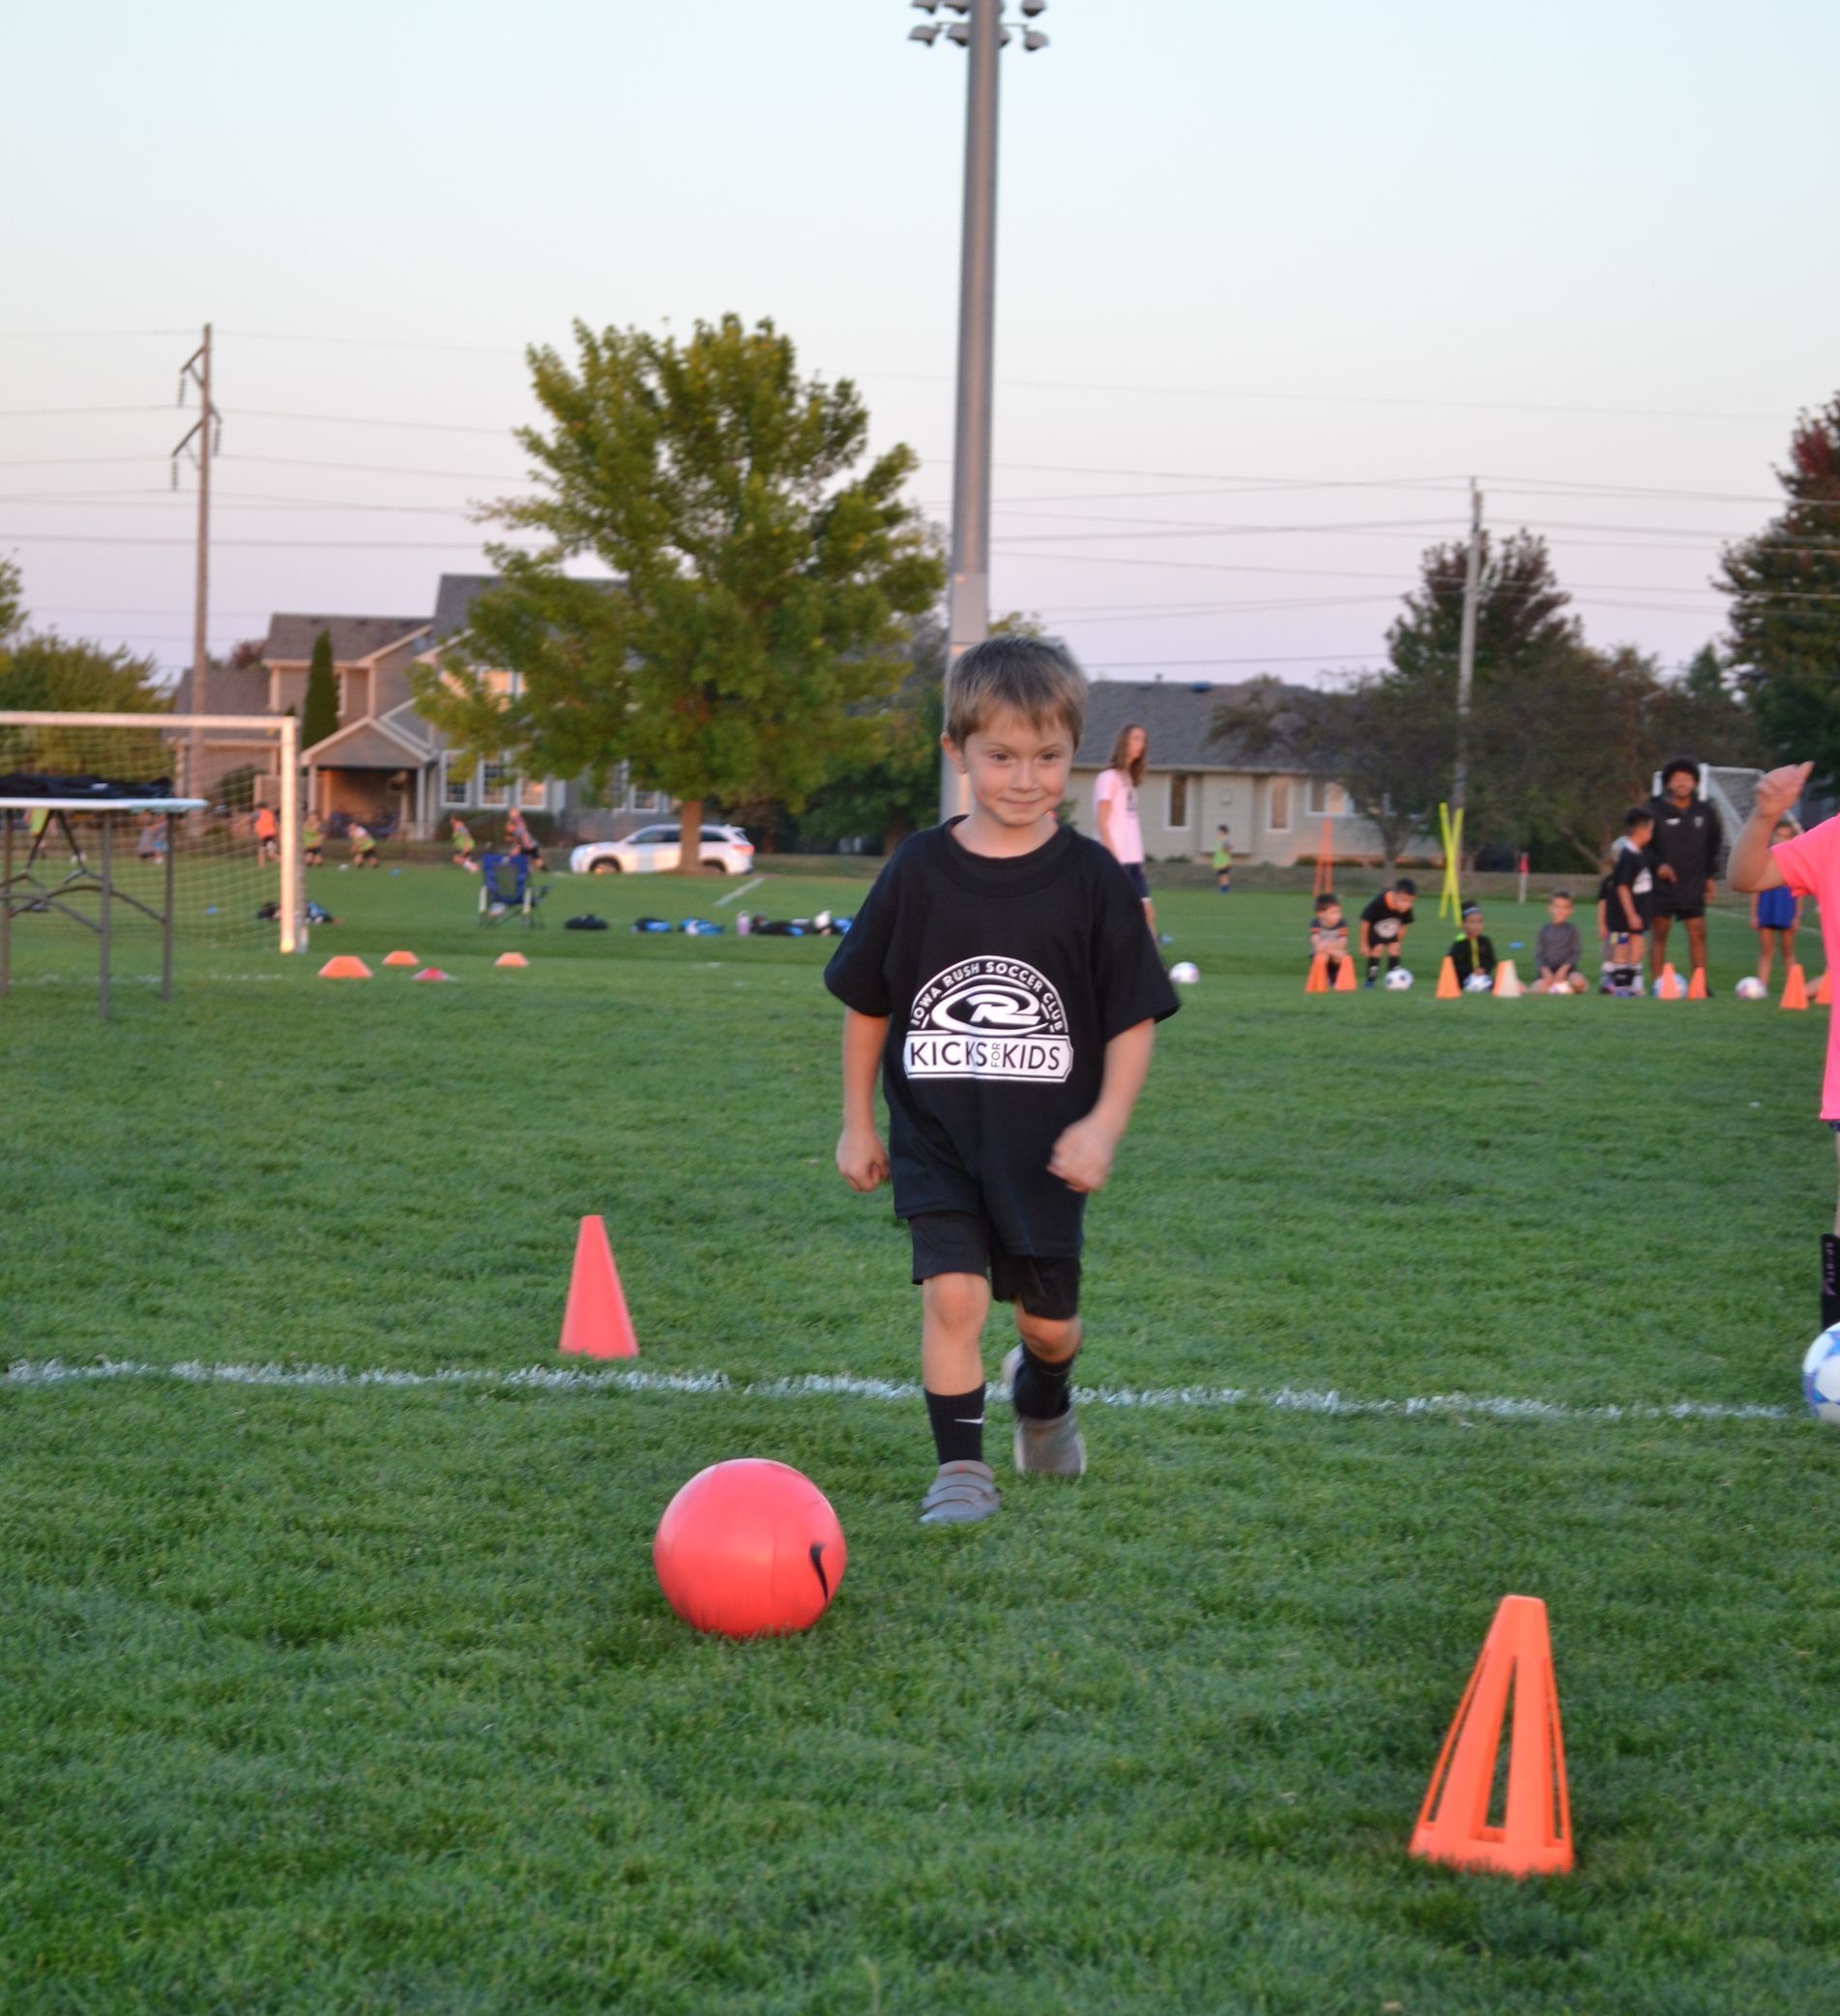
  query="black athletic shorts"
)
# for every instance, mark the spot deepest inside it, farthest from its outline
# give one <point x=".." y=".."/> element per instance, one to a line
<point x="959" y="1242"/>
<point x="1679" y="899"/>
<point x="1135" y="876"/>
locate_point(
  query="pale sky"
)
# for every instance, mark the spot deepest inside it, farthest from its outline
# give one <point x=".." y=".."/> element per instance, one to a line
<point x="1343" y="255"/>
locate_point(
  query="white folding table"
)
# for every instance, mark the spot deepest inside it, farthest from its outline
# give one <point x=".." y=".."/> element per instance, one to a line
<point x="31" y="891"/>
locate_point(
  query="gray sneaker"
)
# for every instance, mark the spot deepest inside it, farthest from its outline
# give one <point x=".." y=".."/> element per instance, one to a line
<point x="1053" y="1449"/>
<point x="962" y="1494"/>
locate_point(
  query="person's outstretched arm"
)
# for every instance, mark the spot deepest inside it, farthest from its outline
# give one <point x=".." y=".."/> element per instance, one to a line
<point x="1753" y="865"/>
<point x="862" y="1158"/>
<point x="1082" y="1157"/>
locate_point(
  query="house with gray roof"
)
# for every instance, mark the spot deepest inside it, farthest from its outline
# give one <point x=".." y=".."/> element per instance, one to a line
<point x="1273" y="806"/>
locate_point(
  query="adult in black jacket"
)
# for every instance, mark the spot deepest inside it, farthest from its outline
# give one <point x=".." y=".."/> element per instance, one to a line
<point x="1689" y="840"/>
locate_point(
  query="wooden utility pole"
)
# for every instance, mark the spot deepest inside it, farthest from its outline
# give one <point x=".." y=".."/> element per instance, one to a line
<point x="208" y="434"/>
<point x="1466" y="652"/>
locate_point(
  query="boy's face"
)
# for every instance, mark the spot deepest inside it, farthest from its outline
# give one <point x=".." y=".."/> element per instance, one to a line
<point x="1017" y="772"/>
<point x="1641" y="835"/>
<point x="1397" y="899"/>
<point x="1681" y="785"/>
<point x="1560" y="910"/>
<point x="1472" y="924"/>
<point x="1331" y="916"/>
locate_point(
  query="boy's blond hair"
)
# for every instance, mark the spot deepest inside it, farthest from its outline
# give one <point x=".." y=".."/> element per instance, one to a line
<point x="1024" y="675"/>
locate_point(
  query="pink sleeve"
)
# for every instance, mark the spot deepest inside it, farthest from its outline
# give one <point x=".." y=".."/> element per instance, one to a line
<point x="1811" y="859"/>
<point x="1107" y="788"/>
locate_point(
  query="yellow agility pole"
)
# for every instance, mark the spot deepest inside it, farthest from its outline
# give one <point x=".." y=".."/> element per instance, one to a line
<point x="1451" y="825"/>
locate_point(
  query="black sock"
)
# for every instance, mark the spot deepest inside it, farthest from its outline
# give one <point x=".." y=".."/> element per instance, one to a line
<point x="958" y="1425"/>
<point x="1829" y="1280"/>
<point x="1393" y="962"/>
<point x="1373" y="967"/>
<point x="1042" y="1391"/>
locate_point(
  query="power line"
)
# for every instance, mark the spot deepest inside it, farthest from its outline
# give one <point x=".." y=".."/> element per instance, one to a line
<point x="72" y="412"/>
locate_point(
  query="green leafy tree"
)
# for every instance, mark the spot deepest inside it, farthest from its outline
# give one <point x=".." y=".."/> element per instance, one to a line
<point x="12" y="607"/>
<point x="1785" y="589"/>
<point x="761" y="589"/>
<point x="40" y="671"/>
<point x="319" y="715"/>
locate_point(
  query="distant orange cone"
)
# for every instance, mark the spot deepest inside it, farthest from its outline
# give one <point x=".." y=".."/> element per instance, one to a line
<point x="596" y="1323"/>
<point x="344" y="966"/>
<point x="1508" y="984"/>
<point x="1447" y="987"/>
<point x="1318" y="982"/>
<point x="1534" y="1836"/>
<point x="1822" y="996"/>
<point x="401" y="960"/>
<point x="1696" y="986"/>
<point x="433" y="973"/>
<point x="1668" y="987"/>
<point x="510" y="959"/>
<point x="1795" y="988"/>
<point x="1343" y="976"/>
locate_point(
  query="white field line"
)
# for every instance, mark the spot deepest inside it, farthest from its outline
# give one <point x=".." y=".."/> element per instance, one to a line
<point x="576" y="1379"/>
<point x="735" y="895"/>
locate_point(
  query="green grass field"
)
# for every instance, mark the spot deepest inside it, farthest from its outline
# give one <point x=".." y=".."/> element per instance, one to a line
<point x="362" y="1697"/>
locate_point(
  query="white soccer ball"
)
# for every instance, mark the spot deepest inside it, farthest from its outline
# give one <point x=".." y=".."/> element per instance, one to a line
<point x="1185" y="973"/>
<point x="1751" y="988"/>
<point x="1478" y="983"/>
<point x="1821" y="1377"/>
<point x="1399" y="980"/>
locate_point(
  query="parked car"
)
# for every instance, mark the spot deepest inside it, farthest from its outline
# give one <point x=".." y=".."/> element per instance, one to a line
<point x="655" y="849"/>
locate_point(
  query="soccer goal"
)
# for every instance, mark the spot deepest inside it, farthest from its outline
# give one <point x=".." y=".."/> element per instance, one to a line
<point x="235" y="867"/>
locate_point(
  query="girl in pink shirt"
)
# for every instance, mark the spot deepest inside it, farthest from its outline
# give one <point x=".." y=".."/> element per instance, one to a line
<point x="1115" y="803"/>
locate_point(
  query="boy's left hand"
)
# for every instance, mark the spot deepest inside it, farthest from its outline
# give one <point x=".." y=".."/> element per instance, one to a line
<point x="1082" y="1157"/>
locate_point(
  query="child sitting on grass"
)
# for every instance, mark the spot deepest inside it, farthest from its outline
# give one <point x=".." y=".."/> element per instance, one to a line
<point x="1473" y="953"/>
<point x="1000" y="978"/>
<point x="1558" y="950"/>
<point x="1329" y="935"/>
<point x="363" y="846"/>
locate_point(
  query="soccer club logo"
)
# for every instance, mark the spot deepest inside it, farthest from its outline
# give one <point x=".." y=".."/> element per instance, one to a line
<point x="988" y="1018"/>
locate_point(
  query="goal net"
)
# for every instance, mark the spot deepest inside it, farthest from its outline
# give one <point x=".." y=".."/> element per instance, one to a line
<point x="236" y="865"/>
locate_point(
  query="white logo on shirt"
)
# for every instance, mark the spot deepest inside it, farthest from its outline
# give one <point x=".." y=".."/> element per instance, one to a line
<point x="988" y="1018"/>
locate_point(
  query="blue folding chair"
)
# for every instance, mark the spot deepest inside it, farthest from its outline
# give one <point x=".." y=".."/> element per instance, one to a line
<point x="507" y="888"/>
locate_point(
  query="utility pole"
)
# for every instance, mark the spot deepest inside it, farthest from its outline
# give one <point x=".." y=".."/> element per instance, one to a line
<point x="968" y="612"/>
<point x="208" y="434"/>
<point x="1466" y="653"/>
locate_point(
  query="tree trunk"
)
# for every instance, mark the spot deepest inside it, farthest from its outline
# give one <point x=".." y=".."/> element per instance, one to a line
<point x="689" y="830"/>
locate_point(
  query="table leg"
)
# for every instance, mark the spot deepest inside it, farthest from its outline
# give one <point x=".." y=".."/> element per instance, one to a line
<point x="108" y="865"/>
<point x="165" y="953"/>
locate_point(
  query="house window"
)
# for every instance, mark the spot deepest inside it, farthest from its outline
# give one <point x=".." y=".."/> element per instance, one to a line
<point x="532" y="794"/>
<point x="1178" y="818"/>
<point x="646" y="802"/>
<point x="1278" y="806"/>
<point x="455" y="788"/>
<point x="495" y="784"/>
<point x="1326" y="800"/>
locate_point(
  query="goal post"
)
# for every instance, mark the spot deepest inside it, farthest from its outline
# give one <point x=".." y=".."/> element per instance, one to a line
<point x="238" y="764"/>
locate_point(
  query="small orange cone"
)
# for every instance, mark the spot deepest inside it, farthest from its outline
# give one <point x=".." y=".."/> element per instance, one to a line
<point x="1668" y="987"/>
<point x="1447" y="987"/>
<point x="401" y="960"/>
<point x="1509" y="985"/>
<point x="344" y="966"/>
<point x="1534" y="1836"/>
<point x="1795" y="988"/>
<point x="1318" y="982"/>
<point x="510" y="959"/>
<point x="1343" y="976"/>
<point x="1696" y="986"/>
<point x="596" y="1323"/>
<point x="433" y="973"/>
<point x="1822" y="996"/>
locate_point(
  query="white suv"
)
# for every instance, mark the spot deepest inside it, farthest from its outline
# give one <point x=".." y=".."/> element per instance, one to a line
<point x="654" y="850"/>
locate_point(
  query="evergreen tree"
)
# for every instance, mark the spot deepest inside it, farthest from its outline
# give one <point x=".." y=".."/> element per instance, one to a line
<point x="1785" y="590"/>
<point x="319" y="718"/>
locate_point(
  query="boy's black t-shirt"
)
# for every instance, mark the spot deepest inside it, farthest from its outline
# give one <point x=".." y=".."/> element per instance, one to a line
<point x="1383" y="923"/>
<point x="1688" y="841"/>
<point x="1469" y="958"/>
<point x="1635" y="872"/>
<point x="1002" y="981"/>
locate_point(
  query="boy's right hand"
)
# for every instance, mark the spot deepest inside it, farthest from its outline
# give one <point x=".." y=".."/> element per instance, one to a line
<point x="862" y="1159"/>
<point x="1780" y="789"/>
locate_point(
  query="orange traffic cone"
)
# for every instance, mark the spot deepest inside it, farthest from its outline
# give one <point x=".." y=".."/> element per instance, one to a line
<point x="1795" y="988"/>
<point x="510" y="959"/>
<point x="1534" y="1836"/>
<point x="344" y="966"/>
<point x="1508" y="982"/>
<point x="1822" y="996"/>
<point x="1344" y="976"/>
<point x="401" y="960"/>
<point x="1318" y="982"/>
<point x="595" y="1321"/>
<point x="1447" y="987"/>
<point x="1668" y="987"/>
<point x="1696" y="986"/>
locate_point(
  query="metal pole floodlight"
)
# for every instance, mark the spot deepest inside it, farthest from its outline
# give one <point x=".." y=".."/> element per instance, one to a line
<point x="1032" y="8"/>
<point x="960" y="33"/>
<point x="1032" y="39"/>
<point x="928" y="34"/>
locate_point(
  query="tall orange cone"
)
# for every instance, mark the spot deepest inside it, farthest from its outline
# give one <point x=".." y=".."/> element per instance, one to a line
<point x="1669" y="988"/>
<point x="596" y="1323"/>
<point x="1822" y="996"/>
<point x="1534" y="1836"/>
<point x="1318" y="982"/>
<point x="1696" y="986"/>
<point x="1344" y="976"/>
<point x="1509" y="985"/>
<point x="1447" y="987"/>
<point x="1795" y="988"/>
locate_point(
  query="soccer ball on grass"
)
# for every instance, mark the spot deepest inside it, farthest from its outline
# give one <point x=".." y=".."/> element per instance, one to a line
<point x="1821" y="1377"/>
<point x="1398" y="980"/>
<point x="1185" y="973"/>
<point x="1751" y="988"/>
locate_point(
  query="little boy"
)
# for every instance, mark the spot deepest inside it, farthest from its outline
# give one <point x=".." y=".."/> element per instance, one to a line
<point x="312" y="842"/>
<point x="1223" y="862"/>
<point x="1632" y="899"/>
<point x="1809" y="865"/>
<point x="1557" y="949"/>
<point x="1329" y="935"/>
<point x="1473" y="953"/>
<point x="1000" y="978"/>
<point x="363" y="846"/>
<point x="1776" y="911"/>
<point x="1383" y="925"/>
